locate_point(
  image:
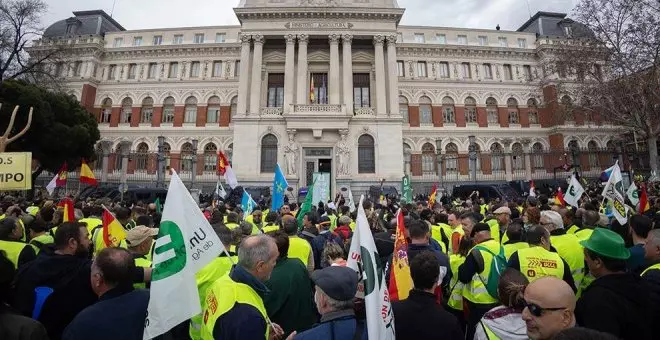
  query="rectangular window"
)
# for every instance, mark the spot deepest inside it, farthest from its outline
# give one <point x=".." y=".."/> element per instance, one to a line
<point x="508" y="74"/>
<point x="212" y="114"/>
<point x="146" y="114"/>
<point x="194" y="69"/>
<point x="462" y="40"/>
<point x="137" y="41"/>
<point x="77" y="67"/>
<point x="237" y="69"/>
<point x="425" y="114"/>
<point x="168" y="113"/>
<point x="174" y="70"/>
<point x="522" y="43"/>
<point x="112" y="70"/>
<point x="444" y="70"/>
<point x="467" y="73"/>
<point x="361" y="90"/>
<point x="441" y="39"/>
<point x="488" y="71"/>
<point x="492" y="116"/>
<point x="152" y="70"/>
<point x="471" y="114"/>
<point x="483" y="40"/>
<point x="419" y="38"/>
<point x="158" y="40"/>
<point x="119" y="42"/>
<point x="527" y="72"/>
<point x="178" y="39"/>
<point x="568" y="30"/>
<point x="503" y="42"/>
<point x="132" y="71"/>
<point x="400" y="68"/>
<point x="217" y="69"/>
<point x="199" y="38"/>
<point x="513" y="117"/>
<point x="319" y="95"/>
<point x="275" y="90"/>
<point x="533" y="117"/>
<point x="220" y="37"/>
<point x="421" y="69"/>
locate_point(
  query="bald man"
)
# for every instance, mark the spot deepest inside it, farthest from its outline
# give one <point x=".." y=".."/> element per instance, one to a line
<point x="549" y="307"/>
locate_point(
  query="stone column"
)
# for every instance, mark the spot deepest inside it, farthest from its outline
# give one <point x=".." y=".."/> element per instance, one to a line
<point x="303" y="86"/>
<point x="125" y="69"/>
<point x="289" y="71"/>
<point x="528" y="159"/>
<point x="106" y="147"/>
<point x="241" y="106"/>
<point x="125" y="152"/>
<point x="89" y="68"/>
<point x="392" y="76"/>
<point x="255" y="90"/>
<point x="106" y="72"/>
<point x="381" y="100"/>
<point x="508" y="166"/>
<point x="347" y="62"/>
<point x="334" y="70"/>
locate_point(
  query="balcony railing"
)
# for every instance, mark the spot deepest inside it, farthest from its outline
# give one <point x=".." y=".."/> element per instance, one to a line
<point x="271" y="111"/>
<point x="318" y="108"/>
<point x="364" y="111"/>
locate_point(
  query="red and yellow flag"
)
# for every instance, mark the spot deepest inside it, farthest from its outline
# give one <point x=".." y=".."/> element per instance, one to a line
<point x="400" y="279"/>
<point x="86" y="174"/>
<point x="644" y="201"/>
<point x="61" y="176"/>
<point x="559" y="198"/>
<point x="69" y="213"/>
<point x="434" y="193"/>
<point x="312" y="93"/>
<point x="113" y="231"/>
<point x="223" y="163"/>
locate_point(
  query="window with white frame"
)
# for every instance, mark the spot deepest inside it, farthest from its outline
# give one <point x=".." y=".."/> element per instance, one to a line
<point x="488" y="71"/>
<point x="419" y="38"/>
<point x="470" y="110"/>
<point x="174" y="70"/>
<point x="522" y="43"/>
<point x="428" y="159"/>
<point x="448" y="115"/>
<point x="403" y="109"/>
<point x="421" y="69"/>
<point x="444" y="70"/>
<point x="275" y="90"/>
<point x="119" y="42"/>
<point x="361" y="90"/>
<point x="153" y="68"/>
<point x="147" y="110"/>
<point x="190" y="110"/>
<point x="527" y="72"/>
<point x="497" y="157"/>
<point x="220" y="37"/>
<point x="517" y="157"/>
<point x="503" y="42"/>
<point x="441" y="39"/>
<point x="400" y="68"/>
<point x="178" y="39"/>
<point x="508" y="73"/>
<point x="132" y="71"/>
<point x="198" y="38"/>
<point x="126" y="110"/>
<point x="112" y="72"/>
<point x="512" y="106"/>
<point x="213" y="110"/>
<point x="467" y="72"/>
<point x="142" y="157"/>
<point x="462" y="40"/>
<point x="168" y="110"/>
<point x="478" y="162"/>
<point x="106" y="110"/>
<point x="137" y="41"/>
<point x="537" y="152"/>
<point x="483" y="40"/>
<point x="491" y="111"/>
<point x="194" y="69"/>
<point x="425" y="110"/>
<point x="158" y="40"/>
<point x="217" y="68"/>
<point x="187" y="157"/>
<point x="210" y="157"/>
<point x="451" y="157"/>
<point x="533" y="111"/>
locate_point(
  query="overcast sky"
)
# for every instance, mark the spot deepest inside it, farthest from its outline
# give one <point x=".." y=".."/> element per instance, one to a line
<point x="140" y="14"/>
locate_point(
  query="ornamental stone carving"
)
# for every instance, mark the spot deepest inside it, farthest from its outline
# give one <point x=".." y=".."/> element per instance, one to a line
<point x="245" y="39"/>
<point x="379" y="39"/>
<point x="333" y="38"/>
<point x="343" y="155"/>
<point x="318" y="3"/>
<point x="347" y="38"/>
<point x="303" y="38"/>
<point x="291" y="154"/>
<point x="258" y="39"/>
<point x="290" y="39"/>
<point x="391" y="39"/>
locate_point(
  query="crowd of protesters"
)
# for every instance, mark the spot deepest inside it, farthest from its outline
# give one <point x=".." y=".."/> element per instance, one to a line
<point x="527" y="269"/>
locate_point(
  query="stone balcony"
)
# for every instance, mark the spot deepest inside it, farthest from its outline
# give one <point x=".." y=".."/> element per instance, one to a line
<point x="319" y="109"/>
<point x="317" y="117"/>
<point x="271" y="111"/>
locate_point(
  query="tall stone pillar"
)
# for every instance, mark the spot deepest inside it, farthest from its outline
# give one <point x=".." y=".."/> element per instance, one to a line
<point x="528" y="158"/>
<point x="347" y="62"/>
<point x="106" y="148"/>
<point x="334" y="70"/>
<point x="241" y="106"/>
<point x="303" y="86"/>
<point x="508" y="166"/>
<point x="392" y="76"/>
<point x="289" y="71"/>
<point x="255" y="90"/>
<point x="381" y="100"/>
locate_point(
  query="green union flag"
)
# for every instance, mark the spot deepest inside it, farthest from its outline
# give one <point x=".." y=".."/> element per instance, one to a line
<point x="306" y="206"/>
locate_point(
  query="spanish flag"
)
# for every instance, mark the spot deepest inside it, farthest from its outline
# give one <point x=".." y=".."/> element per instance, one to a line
<point x="434" y="193"/>
<point x="400" y="279"/>
<point x="559" y="198"/>
<point x="69" y="212"/>
<point x="86" y="174"/>
<point x="312" y="94"/>
<point x="644" y="201"/>
<point x="61" y="176"/>
<point x="113" y="231"/>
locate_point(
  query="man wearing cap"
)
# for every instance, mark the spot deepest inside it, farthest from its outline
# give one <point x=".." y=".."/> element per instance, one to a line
<point x="500" y="223"/>
<point x="616" y="302"/>
<point x="139" y="241"/>
<point x="566" y="245"/>
<point x="335" y="290"/>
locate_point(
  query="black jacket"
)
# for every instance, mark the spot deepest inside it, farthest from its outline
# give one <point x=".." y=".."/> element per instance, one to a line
<point x="652" y="280"/>
<point x="419" y="317"/>
<point x="617" y="304"/>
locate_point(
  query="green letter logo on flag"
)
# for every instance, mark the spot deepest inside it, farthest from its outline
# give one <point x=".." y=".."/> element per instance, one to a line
<point x="170" y="251"/>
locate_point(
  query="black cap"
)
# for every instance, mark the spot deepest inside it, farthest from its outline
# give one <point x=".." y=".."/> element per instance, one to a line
<point x="337" y="282"/>
<point x="479" y="227"/>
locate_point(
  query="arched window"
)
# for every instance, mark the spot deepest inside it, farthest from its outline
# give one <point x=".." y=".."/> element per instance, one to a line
<point x="191" y="110"/>
<point x="537" y="160"/>
<point x="573" y="145"/>
<point x="470" y="110"/>
<point x="533" y="111"/>
<point x="491" y="111"/>
<point x="126" y="110"/>
<point x="593" y="154"/>
<point x="448" y="115"/>
<point x="517" y="157"/>
<point x="213" y="110"/>
<point x="425" y="111"/>
<point x="477" y="148"/>
<point x="106" y="110"/>
<point x="407" y="153"/>
<point x="366" y="155"/>
<point x="403" y="109"/>
<point x="233" y="107"/>
<point x="210" y="157"/>
<point x="512" y="105"/>
<point x="567" y="107"/>
<point x="428" y="158"/>
<point x="142" y="157"/>
<point x="119" y="150"/>
<point x="497" y="157"/>
<point x="168" y="110"/>
<point x="187" y="157"/>
<point x="451" y="157"/>
<point x="147" y="111"/>
<point x="268" y="153"/>
<point x="166" y="151"/>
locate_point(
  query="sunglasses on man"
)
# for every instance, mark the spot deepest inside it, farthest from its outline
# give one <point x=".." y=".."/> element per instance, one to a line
<point x="538" y="311"/>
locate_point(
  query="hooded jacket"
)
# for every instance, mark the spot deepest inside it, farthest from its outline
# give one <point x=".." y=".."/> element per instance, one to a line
<point x="505" y="322"/>
<point x="617" y="304"/>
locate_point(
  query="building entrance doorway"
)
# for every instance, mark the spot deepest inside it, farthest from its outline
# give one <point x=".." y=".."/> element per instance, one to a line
<point x="317" y="160"/>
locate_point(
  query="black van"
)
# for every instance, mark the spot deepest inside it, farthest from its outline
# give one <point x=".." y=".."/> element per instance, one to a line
<point x="502" y="191"/>
<point x="146" y="195"/>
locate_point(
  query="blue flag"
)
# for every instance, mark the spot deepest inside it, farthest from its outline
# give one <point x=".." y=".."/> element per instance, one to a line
<point x="279" y="187"/>
<point x="247" y="204"/>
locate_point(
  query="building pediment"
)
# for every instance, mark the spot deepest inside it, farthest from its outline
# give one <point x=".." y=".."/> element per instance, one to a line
<point x="319" y="3"/>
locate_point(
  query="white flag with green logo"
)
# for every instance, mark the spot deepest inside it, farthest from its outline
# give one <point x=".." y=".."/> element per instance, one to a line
<point x="633" y="194"/>
<point x="614" y="192"/>
<point x="371" y="286"/>
<point x="574" y="192"/>
<point x="186" y="243"/>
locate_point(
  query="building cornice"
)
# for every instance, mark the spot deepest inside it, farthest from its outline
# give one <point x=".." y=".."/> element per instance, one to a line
<point x="270" y="13"/>
<point x="169" y="51"/>
<point x="472" y="52"/>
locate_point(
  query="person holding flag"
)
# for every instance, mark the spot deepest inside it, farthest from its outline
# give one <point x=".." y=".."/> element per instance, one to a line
<point x="559" y="198"/>
<point x="613" y="191"/>
<point x="279" y="187"/>
<point x="400" y="280"/>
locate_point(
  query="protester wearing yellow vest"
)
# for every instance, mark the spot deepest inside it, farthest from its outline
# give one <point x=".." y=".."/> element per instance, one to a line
<point x="255" y="220"/>
<point x="91" y="222"/>
<point x="298" y="248"/>
<point x="139" y="241"/>
<point x="232" y="220"/>
<point x="566" y="245"/>
<point x="455" y="300"/>
<point x="474" y="273"/>
<point x="235" y="301"/>
<point x="271" y="223"/>
<point x="538" y="261"/>
<point x="515" y="239"/>
<point x="17" y="252"/>
<point x="39" y="236"/>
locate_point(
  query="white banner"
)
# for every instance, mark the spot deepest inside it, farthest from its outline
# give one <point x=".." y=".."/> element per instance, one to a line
<point x="574" y="192"/>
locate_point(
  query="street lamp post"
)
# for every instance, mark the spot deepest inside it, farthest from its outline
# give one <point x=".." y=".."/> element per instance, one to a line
<point x="194" y="163"/>
<point x="472" y="151"/>
<point x="439" y="159"/>
<point x="160" y="171"/>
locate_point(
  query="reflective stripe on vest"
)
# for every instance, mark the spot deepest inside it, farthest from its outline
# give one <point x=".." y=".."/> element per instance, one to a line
<point x="536" y="262"/>
<point x="12" y="250"/>
<point x="456" y="294"/>
<point x="511" y="248"/>
<point x="569" y="248"/>
<point x="231" y="225"/>
<point x="221" y="298"/>
<point x="219" y="267"/>
<point x="299" y="249"/>
<point x="476" y="291"/>
<point x="489" y="334"/>
<point x="653" y="267"/>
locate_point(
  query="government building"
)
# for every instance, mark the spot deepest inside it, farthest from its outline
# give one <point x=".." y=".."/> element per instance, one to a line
<point x="328" y="86"/>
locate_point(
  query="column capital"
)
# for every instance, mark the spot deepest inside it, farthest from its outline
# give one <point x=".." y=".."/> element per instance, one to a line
<point x="245" y="39"/>
<point x="258" y="39"/>
<point x="333" y="38"/>
<point x="290" y="39"/>
<point x="379" y="39"/>
<point x="391" y="39"/>
<point x="347" y="38"/>
<point x="303" y="38"/>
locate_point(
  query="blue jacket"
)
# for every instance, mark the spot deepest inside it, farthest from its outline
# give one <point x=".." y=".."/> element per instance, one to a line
<point x="318" y="244"/>
<point x="119" y="314"/>
<point x="338" y="325"/>
<point x="243" y="321"/>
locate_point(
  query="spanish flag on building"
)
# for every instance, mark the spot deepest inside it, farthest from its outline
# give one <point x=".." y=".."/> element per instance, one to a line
<point x="312" y="93"/>
<point x="87" y="175"/>
<point x="400" y="279"/>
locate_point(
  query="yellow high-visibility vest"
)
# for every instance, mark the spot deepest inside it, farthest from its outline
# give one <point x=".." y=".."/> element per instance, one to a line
<point x="455" y="300"/>
<point x="494" y="230"/>
<point x="572" y="229"/>
<point x="43" y="239"/>
<point x="584" y="234"/>
<point x="143" y="262"/>
<point x="511" y="248"/>
<point x="653" y="267"/>
<point x="299" y="249"/>
<point x="12" y="250"/>
<point x="219" y="267"/>
<point x="536" y="262"/>
<point x="476" y="291"/>
<point x="91" y="223"/>
<point x="270" y="227"/>
<point x="221" y="298"/>
<point x="232" y="225"/>
<point x="569" y="248"/>
<point x="489" y="333"/>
